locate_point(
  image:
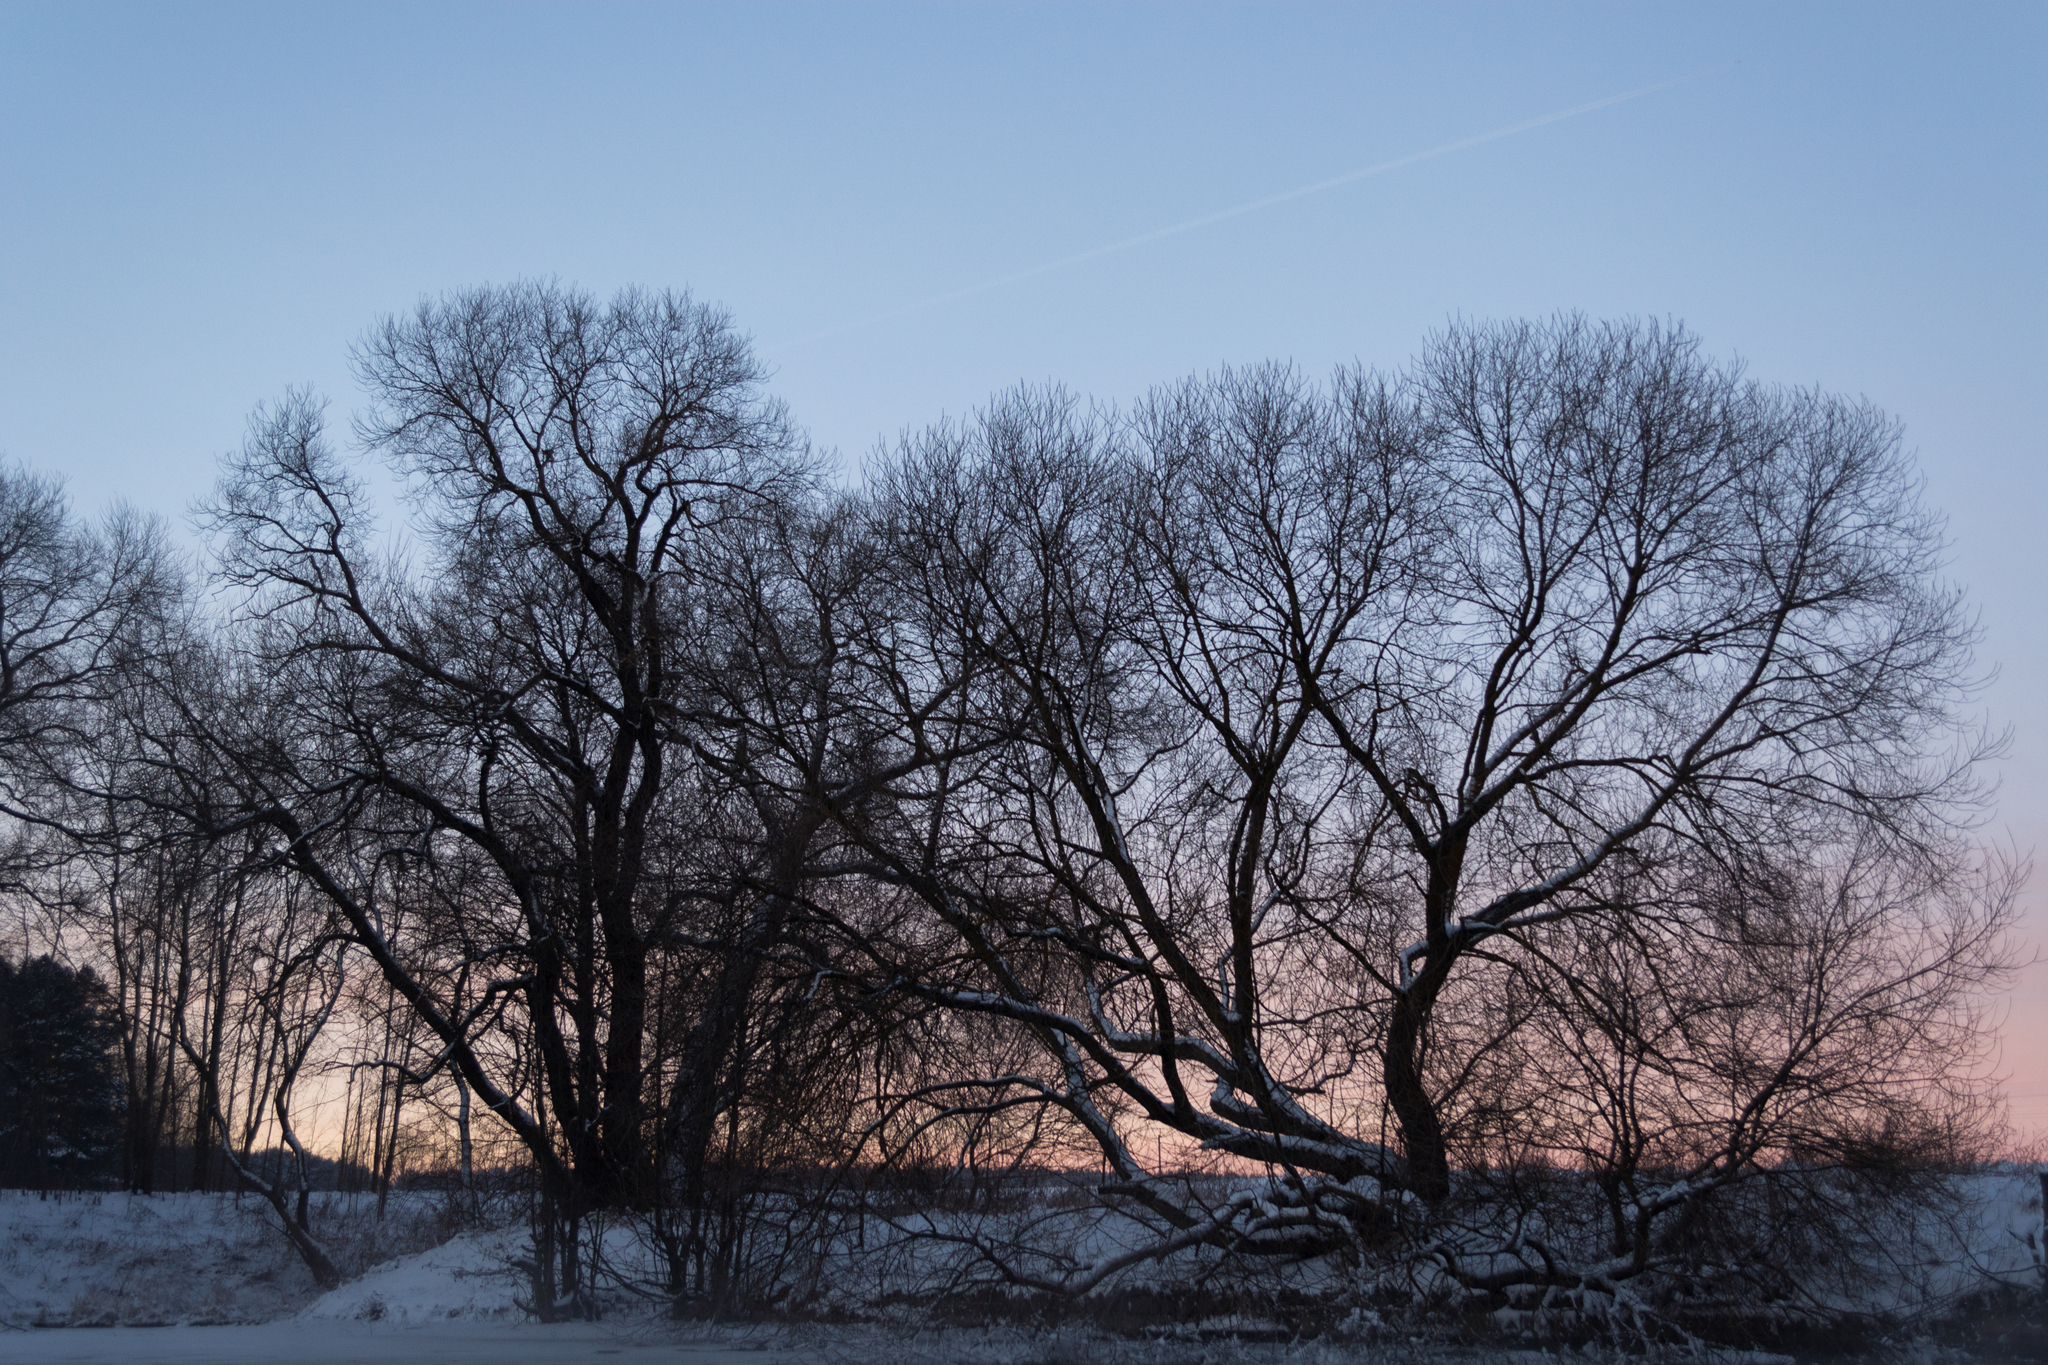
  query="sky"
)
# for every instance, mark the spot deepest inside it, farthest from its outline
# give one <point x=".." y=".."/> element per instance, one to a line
<point x="910" y="207"/>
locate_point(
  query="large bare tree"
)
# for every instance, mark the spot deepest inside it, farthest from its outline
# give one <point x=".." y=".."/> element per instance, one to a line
<point x="469" y="746"/>
<point x="1333" y="700"/>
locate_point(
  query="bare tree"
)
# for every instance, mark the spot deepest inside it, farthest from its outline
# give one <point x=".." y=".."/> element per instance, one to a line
<point x="79" y="602"/>
<point x="283" y="996"/>
<point x="75" y="601"/>
<point x="796" y="715"/>
<point x="496" y="724"/>
<point x="1740" y="1079"/>
<point x="1333" y="699"/>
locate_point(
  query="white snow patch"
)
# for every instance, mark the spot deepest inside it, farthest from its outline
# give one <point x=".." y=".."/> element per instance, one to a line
<point x="104" y="1260"/>
<point x="470" y="1276"/>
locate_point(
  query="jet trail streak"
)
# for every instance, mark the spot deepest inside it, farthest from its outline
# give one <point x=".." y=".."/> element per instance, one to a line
<point x="1268" y="201"/>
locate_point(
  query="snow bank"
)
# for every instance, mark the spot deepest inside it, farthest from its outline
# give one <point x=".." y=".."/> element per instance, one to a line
<point x="469" y="1277"/>
<point x="102" y="1260"/>
<point x="105" y="1259"/>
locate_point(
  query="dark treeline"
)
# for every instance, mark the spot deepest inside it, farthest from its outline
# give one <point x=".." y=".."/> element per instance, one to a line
<point x="1503" y="825"/>
<point x="60" y="1106"/>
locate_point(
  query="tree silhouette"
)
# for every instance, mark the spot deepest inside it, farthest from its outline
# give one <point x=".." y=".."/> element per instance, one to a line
<point x="60" y="1106"/>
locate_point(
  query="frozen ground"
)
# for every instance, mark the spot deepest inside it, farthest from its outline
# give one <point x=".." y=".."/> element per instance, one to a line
<point x="207" y="1278"/>
<point x="451" y="1344"/>
<point x="531" y="1344"/>
<point x="466" y="1278"/>
<point x="105" y="1260"/>
<point x="362" y="1343"/>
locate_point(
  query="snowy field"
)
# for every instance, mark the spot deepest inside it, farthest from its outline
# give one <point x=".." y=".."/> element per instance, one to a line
<point x="114" y="1279"/>
<point x="118" y="1260"/>
<point x="363" y="1343"/>
<point x="192" y="1278"/>
<point x="532" y="1344"/>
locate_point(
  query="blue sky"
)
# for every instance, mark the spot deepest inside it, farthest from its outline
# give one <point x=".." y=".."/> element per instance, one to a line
<point x="200" y="205"/>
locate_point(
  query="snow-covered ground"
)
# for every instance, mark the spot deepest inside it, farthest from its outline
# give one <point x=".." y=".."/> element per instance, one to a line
<point x="532" y="1344"/>
<point x="190" y="1278"/>
<point x="467" y="1278"/>
<point x="104" y="1260"/>
<point x="302" y="1343"/>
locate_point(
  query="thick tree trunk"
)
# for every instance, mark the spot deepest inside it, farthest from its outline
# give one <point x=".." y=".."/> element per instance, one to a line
<point x="621" y="1139"/>
<point x="713" y="1054"/>
<point x="1422" y="1133"/>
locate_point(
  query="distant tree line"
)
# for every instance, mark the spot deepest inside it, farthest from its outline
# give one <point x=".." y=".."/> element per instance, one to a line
<point x="1510" y="816"/>
<point x="67" y="1105"/>
<point x="60" y="1098"/>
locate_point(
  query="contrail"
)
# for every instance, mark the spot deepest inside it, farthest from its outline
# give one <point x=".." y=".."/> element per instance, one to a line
<point x="1254" y="205"/>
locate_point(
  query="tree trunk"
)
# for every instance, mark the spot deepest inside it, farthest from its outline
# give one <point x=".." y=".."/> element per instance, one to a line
<point x="1422" y="1134"/>
<point x="462" y="1130"/>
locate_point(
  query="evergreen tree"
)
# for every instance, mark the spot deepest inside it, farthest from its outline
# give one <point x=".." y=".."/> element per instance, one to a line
<point x="60" y="1096"/>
